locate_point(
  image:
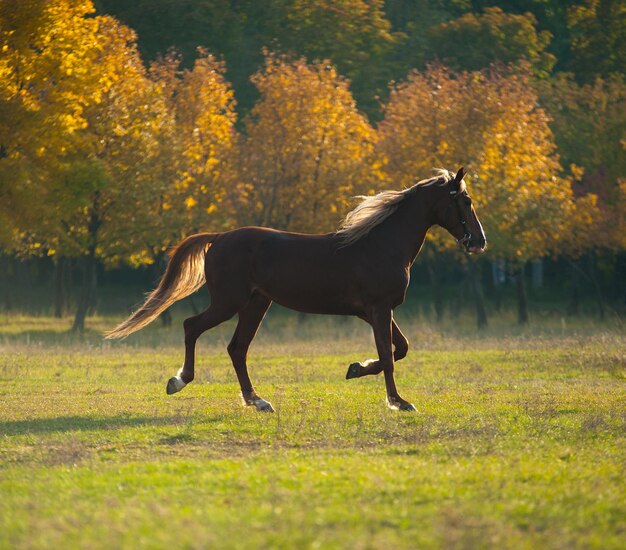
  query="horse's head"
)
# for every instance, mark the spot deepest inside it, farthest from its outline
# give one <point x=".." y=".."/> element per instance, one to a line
<point x="457" y="215"/>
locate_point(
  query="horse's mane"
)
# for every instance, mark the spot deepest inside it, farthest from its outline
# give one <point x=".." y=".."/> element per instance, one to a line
<point x="374" y="209"/>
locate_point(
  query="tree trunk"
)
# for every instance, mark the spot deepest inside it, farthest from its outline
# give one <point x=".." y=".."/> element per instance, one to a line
<point x="88" y="290"/>
<point x="496" y="295"/>
<point x="21" y="272"/>
<point x="573" y="307"/>
<point x="166" y="319"/>
<point x="477" y="291"/>
<point x="523" y="317"/>
<point x="593" y="275"/>
<point x="461" y="288"/>
<point x="437" y="294"/>
<point x="4" y="282"/>
<point x="496" y="285"/>
<point x="60" y="287"/>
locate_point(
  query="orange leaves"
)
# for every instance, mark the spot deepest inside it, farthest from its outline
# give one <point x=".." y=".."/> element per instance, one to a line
<point x="202" y="105"/>
<point x="490" y="123"/>
<point x="304" y="148"/>
<point x="589" y="124"/>
<point x="85" y="128"/>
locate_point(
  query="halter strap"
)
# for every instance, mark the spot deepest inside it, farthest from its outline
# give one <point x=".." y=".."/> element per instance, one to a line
<point x="466" y="234"/>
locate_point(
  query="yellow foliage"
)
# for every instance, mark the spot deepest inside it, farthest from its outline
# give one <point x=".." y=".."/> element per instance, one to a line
<point x="305" y="148"/>
<point x="589" y="121"/>
<point x="490" y="123"/>
<point x="203" y="108"/>
<point x="141" y="258"/>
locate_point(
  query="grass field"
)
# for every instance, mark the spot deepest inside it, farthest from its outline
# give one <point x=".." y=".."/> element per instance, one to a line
<point x="519" y="441"/>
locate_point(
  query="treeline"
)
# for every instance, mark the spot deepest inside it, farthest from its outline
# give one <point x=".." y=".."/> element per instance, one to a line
<point x="110" y="156"/>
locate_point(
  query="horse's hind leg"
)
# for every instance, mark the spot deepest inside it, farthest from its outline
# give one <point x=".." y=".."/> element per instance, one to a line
<point x="249" y="320"/>
<point x="194" y="326"/>
<point x="373" y="366"/>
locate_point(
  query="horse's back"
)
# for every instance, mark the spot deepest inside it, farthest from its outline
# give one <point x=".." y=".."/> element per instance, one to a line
<point x="306" y="272"/>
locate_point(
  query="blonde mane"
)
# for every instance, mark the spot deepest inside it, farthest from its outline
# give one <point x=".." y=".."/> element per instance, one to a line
<point x="375" y="209"/>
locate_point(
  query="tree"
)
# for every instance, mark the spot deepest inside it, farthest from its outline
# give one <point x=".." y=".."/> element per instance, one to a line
<point x="495" y="37"/>
<point x="304" y="150"/>
<point x="354" y="34"/>
<point x="589" y="123"/>
<point x="47" y="79"/>
<point x="235" y="30"/>
<point x="598" y="43"/>
<point x="489" y="122"/>
<point x="80" y="123"/>
<point x="202" y="106"/>
<point x="108" y="201"/>
<point x="161" y="143"/>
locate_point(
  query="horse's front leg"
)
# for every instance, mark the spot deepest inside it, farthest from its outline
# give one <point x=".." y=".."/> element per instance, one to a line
<point x="373" y="366"/>
<point x="381" y="321"/>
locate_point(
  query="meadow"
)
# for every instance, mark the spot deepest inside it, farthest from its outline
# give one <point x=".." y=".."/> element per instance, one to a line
<point x="519" y="439"/>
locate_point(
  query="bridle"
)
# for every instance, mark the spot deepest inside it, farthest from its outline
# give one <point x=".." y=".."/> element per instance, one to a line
<point x="464" y="241"/>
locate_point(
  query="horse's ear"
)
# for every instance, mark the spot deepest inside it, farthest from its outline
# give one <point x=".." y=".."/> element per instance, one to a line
<point x="455" y="183"/>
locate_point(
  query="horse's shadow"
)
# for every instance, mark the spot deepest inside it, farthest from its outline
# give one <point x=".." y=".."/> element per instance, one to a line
<point x="83" y="423"/>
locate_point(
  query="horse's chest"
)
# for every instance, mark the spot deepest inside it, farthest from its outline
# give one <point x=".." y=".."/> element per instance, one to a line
<point x="387" y="285"/>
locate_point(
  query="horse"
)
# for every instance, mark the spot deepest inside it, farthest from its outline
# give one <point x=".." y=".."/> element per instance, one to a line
<point x="362" y="269"/>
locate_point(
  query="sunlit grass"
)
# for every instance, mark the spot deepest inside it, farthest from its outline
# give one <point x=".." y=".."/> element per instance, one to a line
<point x="519" y="441"/>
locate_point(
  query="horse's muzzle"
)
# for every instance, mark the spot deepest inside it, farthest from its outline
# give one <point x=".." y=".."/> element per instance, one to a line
<point x="476" y="245"/>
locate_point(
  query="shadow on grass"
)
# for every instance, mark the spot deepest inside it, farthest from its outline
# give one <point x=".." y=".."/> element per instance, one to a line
<point x="51" y="336"/>
<point x="156" y="336"/>
<point x="87" y="423"/>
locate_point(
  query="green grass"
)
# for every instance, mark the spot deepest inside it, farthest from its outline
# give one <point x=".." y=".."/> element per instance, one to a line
<point x="519" y="441"/>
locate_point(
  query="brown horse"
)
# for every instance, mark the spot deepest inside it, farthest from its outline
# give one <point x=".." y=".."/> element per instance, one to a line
<point x="362" y="269"/>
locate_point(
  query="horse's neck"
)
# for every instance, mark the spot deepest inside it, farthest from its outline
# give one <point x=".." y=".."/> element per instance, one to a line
<point x="406" y="229"/>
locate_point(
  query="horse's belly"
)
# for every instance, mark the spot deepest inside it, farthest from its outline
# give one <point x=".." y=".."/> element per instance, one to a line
<point x="309" y="274"/>
<point x="336" y="297"/>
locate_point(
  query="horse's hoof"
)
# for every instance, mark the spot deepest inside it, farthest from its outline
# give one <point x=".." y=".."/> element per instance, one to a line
<point x="263" y="406"/>
<point x="174" y="385"/>
<point x="396" y="405"/>
<point x="354" y="371"/>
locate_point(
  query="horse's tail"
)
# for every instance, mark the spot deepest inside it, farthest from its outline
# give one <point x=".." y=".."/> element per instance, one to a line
<point x="184" y="275"/>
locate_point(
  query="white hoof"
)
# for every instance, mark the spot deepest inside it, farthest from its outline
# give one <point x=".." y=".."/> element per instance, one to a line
<point x="395" y="405"/>
<point x="262" y="405"/>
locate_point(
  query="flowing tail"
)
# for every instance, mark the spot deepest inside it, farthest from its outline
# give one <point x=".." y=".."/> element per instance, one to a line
<point x="183" y="276"/>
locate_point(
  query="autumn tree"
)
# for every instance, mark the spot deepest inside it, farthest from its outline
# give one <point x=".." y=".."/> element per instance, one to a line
<point x="489" y="122"/>
<point x="51" y="74"/>
<point x="589" y="123"/>
<point x="304" y="149"/>
<point x="202" y="106"/>
<point x="108" y="200"/>
<point x="46" y="82"/>
<point x="80" y="126"/>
